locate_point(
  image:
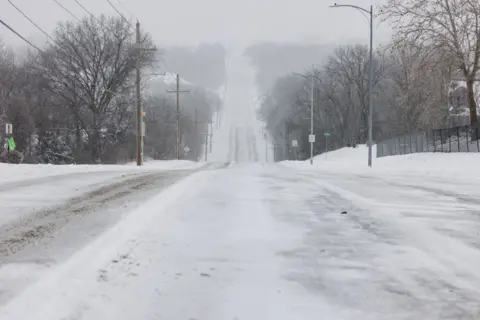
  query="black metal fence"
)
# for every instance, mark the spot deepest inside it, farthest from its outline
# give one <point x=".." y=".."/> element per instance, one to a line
<point x="457" y="139"/>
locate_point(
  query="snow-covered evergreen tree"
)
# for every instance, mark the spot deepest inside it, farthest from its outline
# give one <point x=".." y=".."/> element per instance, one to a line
<point x="54" y="149"/>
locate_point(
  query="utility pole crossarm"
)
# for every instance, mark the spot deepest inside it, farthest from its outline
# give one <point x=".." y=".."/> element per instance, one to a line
<point x="179" y="91"/>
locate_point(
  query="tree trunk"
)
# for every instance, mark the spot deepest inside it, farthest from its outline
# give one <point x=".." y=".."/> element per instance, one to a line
<point x="472" y="105"/>
<point x="78" y="136"/>
<point x="95" y="144"/>
<point x="96" y="148"/>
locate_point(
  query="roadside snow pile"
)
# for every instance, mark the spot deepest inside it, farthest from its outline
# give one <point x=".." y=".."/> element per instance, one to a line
<point x="355" y="160"/>
<point x="18" y="172"/>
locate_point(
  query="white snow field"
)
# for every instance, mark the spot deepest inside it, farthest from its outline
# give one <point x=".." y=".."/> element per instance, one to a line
<point x="248" y="240"/>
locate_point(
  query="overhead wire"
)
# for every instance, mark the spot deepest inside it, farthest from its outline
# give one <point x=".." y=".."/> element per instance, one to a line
<point x="126" y="8"/>
<point x="65" y="9"/>
<point x="28" y="42"/>
<point x="20" y="36"/>
<point x="86" y="10"/>
<point x="31" y="21"/>
<point x="23" y="38"/>
<point x="120" y="14"/>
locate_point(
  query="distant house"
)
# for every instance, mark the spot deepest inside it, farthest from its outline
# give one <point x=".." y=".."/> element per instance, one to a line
<point x="459" y="112"/>
<point x="458" y="98"/>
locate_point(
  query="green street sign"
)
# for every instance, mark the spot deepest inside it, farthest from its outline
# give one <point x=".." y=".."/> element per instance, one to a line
<point x="11" y="144"/>
<point x="326" y="134"/>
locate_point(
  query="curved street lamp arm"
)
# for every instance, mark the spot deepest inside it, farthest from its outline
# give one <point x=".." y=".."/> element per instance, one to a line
<point x="306" y="77"/>
<point x="351" y="6"/>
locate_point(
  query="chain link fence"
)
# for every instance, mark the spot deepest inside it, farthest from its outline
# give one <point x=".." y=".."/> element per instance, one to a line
<point x="456" y="139"/>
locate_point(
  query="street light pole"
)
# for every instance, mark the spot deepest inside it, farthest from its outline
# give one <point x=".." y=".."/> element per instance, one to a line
<point x="370" y="93"/>
<point x="370" y="78"/>
<point x="312" y="102"/>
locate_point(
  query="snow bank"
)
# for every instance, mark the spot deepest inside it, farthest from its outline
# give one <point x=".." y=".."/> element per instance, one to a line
<point x="15" y="172"/>
<point x="355" y="160"/>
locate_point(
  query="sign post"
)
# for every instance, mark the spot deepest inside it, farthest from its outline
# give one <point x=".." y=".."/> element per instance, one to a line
<point x="326" y="135"/>
<point x="10" y="141"/>
<point x="294" y="145"/>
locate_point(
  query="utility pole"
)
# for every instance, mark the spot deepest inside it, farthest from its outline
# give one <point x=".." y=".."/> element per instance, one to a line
<point x="196" y="134"/>
<point x="266" y="145"/>
<point x="218" y="116"/>
<point x="206" y="136"/>
<point x="178" y="91"/>
<point x="139" y="102"/>
<point x="211" y="135"/>
<point x="140" y="113"/>
<point x="286" y="137"/>
<point x="206" y="145"/>
<point x="311" y="115"/>
<point x="311" y="137"/>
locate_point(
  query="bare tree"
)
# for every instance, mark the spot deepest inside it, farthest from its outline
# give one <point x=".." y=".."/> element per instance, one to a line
<point x="412" y="100"/>
<point x="89" y="67"/>
<point x="347" y="71"/>
<point x="445" y="27"/>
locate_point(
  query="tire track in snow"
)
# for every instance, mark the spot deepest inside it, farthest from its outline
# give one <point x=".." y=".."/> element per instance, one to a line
<point x="56" y="179"/>
<point x="404" y="271"/>
<point x="31" y="229"/>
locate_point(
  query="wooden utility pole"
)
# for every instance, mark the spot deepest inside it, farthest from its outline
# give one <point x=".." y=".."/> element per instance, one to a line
<point x="206" y="145"/>
<point x="206" y="136"/>
<point x="140" y="113"/>
<point x="196" y="135"/>
<point x="218" y="114"/>
<point x="139" y="102"/>
<point x="178" y="91"/>
<point x="211" y="135"/>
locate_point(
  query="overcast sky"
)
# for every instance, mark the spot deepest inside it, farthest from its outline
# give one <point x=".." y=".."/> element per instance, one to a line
<point x="189" y="22"/>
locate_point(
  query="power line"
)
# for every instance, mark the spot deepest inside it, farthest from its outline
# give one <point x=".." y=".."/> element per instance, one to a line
<point x="20" y="36"/>
<point x="31" y="21"/>
<point x="68" y="11"/>
<point x="120" y="14"/>
<point x="126" y="8"/>
<point x="86" y="10"/>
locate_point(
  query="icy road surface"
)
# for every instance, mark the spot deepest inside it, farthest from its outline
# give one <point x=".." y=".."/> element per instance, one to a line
<point x="244" y="240"/>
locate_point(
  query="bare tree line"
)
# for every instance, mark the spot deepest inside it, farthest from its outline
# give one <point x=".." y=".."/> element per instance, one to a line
<point x="435" y="43"/>
<point x="74" y="101"/>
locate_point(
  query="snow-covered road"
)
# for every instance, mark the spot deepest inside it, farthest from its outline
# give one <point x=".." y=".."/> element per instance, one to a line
<point x="240" y="138"/>
<point x="247" y="240"/>
<point x="256" y="242"/>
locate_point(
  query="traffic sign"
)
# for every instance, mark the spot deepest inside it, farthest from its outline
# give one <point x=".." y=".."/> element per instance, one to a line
<point x="294" y="143"/>
<point x="8" y="128"/>
<point x="326" y="134"/>
<point x="311" y="138"/>
<point x="186" y="149"/>
<point x="11" y="144"/>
